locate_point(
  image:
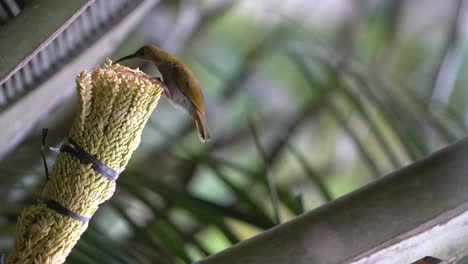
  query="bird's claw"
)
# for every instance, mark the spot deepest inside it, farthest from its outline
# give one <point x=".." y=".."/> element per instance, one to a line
<point x="160" y="82"/>
<point x="156" y="79"/>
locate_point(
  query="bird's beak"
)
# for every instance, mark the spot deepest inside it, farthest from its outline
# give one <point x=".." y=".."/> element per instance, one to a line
<point x="131" y="56"/>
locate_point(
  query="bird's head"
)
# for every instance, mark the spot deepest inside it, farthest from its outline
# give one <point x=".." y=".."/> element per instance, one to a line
<point x="142" y="53"/>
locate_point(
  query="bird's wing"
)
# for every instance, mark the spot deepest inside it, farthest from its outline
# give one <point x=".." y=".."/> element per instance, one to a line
<point x="188" y="85"/>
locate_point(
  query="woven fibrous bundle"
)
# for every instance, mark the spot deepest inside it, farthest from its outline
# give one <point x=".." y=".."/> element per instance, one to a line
<point x="114" y="104"/>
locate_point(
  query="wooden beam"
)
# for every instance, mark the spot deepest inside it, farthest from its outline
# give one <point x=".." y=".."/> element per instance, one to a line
<point x="36" y="26"/>
<point x="17" y="120"/>
<point x="410" y="207"/>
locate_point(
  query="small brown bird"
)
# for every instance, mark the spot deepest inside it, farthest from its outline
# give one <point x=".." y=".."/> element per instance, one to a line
<point x="182" y="89"/>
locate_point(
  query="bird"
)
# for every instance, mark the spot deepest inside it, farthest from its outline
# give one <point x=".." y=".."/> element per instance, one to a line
<point x="181" y="86"/>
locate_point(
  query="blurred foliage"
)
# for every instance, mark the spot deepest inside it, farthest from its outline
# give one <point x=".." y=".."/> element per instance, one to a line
<point x="306" y="102"/>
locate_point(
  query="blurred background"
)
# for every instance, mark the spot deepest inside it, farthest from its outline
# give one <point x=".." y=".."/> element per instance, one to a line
<point x="307" y="100"/>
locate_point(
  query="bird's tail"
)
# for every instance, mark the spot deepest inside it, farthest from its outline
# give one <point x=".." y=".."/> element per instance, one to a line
<point x="202" y="126"/>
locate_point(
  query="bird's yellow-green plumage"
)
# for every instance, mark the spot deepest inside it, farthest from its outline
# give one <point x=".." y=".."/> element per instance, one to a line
<point x="169" y="65"/>
<point x="183" y="89"/>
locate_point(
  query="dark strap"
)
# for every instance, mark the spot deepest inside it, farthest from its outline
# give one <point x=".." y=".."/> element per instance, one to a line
<point x="51" y="204"/>
<point x="75" y="150"/>
<point x="43" y="139"/>
<point x="43" y="148"/>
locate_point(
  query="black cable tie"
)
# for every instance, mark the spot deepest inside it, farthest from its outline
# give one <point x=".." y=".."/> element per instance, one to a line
<point x="43" y="142"/>
<point x="75" y="150"/>
<point x="80" y="153"/>
<point x="53" y="205"/>
<point x="43" y="148"/>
